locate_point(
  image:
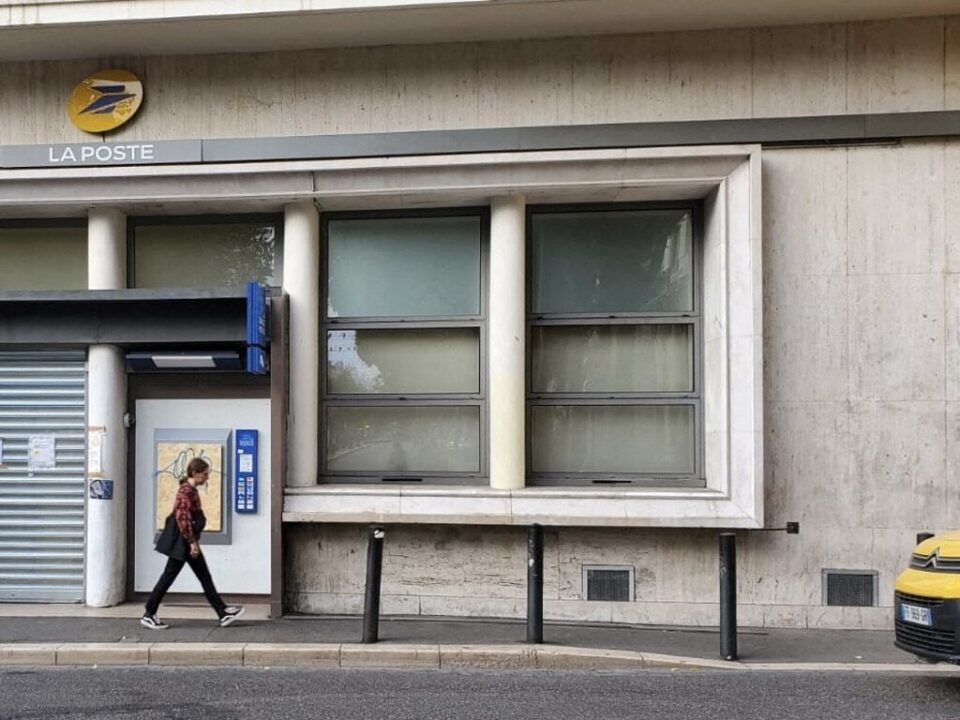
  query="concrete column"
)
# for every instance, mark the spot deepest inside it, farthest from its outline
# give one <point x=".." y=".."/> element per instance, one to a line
<point x="106" y="552"/>
<point x="106" y="250"/>
<point x="301" y="281"/>
<point x="506" y="346"/>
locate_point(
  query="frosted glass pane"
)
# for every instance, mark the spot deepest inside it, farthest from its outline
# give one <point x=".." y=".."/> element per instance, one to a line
<point x="612" y="358"/>
<point x="404" y="267"/>
<point x="205" y="255"/>
<point x="646" y="439"/>
<point x="403" y="361"/>
<point x="609" y="262"/>
<point x="43" y="258"/>
<point x="403" y="439"/>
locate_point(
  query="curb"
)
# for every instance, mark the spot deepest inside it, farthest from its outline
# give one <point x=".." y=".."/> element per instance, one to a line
<point x="406" y="657"/>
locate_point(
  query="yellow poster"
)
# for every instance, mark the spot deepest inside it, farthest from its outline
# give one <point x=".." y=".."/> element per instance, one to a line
<point x="172" y="461"/>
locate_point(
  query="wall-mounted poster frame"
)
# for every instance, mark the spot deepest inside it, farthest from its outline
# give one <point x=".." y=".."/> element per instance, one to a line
<point x="173" y="449"/>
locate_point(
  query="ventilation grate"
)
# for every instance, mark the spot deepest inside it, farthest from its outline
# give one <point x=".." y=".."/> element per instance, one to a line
<point x="610" y="583"/>
<point x="850" y="588"/>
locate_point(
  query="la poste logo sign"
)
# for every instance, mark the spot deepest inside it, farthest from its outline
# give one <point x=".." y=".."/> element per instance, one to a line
<point x="105" y="100"/>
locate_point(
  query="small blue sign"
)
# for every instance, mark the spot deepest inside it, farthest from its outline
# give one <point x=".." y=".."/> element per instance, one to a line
<point x="245" y="475"/>
<point x="258" y="329"/>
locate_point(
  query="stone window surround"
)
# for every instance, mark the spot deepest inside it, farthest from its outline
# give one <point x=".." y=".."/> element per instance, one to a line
<point x="727" y="178"/>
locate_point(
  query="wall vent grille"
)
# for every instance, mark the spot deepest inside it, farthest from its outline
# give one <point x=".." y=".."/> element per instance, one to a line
<point x="850" y="588"/>
<point x="608" y="583"/>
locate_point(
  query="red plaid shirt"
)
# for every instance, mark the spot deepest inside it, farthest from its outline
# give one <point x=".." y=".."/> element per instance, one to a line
<point x="185" y="504"/>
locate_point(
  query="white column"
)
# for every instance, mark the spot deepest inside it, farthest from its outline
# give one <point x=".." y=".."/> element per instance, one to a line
<point x="106" y="250"/>
<point x="106" y="551"/>
<point x="506" y="346"/>
<point x="301" y="281"/>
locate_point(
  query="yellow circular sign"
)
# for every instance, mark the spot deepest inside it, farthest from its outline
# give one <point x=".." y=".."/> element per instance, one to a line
<point x="105" y="100"/>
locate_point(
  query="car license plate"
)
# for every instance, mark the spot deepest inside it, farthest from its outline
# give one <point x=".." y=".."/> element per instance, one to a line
<point x="914" y="614"/>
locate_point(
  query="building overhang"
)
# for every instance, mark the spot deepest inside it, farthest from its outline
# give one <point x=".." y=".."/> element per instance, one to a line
<point x="58" y="29"/>
<point x="131" y="319"/>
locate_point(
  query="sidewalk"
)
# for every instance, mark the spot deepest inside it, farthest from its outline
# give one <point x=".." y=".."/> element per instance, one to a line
<point x="75" y="635"/>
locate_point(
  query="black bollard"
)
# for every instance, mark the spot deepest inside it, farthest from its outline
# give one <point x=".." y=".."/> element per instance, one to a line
<point x="728" y="596"/>
<point x="535" y="584"/>
<point x="371" y="600"/>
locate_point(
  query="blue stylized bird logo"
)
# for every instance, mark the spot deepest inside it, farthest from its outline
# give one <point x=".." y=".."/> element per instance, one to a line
<point x="110" y="97"/>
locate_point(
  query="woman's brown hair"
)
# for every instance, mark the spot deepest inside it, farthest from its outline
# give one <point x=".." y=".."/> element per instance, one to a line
<point x="195" y="467"/>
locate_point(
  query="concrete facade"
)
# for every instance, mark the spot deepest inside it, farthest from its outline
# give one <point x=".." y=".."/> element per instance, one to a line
<point x="860" y="337"/>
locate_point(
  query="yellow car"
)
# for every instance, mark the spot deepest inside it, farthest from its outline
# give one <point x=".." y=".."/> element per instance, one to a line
<point x="927" y="600"/>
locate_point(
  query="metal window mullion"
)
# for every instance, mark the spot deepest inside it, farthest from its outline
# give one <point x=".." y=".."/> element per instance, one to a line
<point x="391" y="322"/>
<point x="408" y="398"/>
<point x="636" y="398"/>
<point x="652" y="318"/>
<point x="637" y="480"/>
<point x="377" y="477"/>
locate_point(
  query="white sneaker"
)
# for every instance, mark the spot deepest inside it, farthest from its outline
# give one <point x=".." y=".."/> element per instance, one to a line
<point x="153" y="622"/>
<point x="230" y="613"/>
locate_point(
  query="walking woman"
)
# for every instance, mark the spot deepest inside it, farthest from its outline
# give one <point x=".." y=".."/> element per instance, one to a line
<point x="190" y="522"/>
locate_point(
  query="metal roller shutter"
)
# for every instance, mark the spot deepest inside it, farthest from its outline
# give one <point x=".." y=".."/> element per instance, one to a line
<point x="42" y="512"/>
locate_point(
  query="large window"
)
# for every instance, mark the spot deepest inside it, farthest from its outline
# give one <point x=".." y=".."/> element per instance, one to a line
<point x="403" y="387"/>
<point x="204" y="252"/>
<point x="43" y="256"/>
<point x="614" y="390"/>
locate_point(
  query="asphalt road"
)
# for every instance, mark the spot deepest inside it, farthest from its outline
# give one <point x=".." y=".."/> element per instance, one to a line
<point x="275" y="694"/>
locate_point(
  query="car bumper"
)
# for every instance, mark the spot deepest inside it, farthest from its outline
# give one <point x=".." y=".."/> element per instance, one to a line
<point x="937" y="641"/>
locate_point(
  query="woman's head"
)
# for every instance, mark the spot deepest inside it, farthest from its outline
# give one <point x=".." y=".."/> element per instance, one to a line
<point x="198" y="469"/>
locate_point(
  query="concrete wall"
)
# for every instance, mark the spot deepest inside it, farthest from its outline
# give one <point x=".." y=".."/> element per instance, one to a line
<point x="866" y="67"/>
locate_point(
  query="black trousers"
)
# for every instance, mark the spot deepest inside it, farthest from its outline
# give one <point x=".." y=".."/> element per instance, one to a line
<point x="170" y="572"/>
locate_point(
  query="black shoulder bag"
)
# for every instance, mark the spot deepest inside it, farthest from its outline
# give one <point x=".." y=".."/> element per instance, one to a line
<point x="171" y="543"/>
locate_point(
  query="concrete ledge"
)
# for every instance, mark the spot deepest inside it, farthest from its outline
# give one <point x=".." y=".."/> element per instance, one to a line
<point x="908" y="668"/>
<point x="411" y="657"/>
<point x="288" y="655"/>
<point x="29" y="654"/>
<point x="395" y="656"/>
<point x="493" y="657"/>
<point x="103" y="654"/>
<point x="562" y="658"/>
<point x="654" y="660"/>
<point x="197" y="654"/>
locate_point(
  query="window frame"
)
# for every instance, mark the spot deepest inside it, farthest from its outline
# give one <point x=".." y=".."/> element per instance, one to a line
<point x="692" y="318"/>
<point x="203" y="219"/>
<point x="478" y="399"/>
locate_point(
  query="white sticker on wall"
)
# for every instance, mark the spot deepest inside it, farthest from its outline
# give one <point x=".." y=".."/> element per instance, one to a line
<point x="42" y="453"/>
<point x="95" y="437"/>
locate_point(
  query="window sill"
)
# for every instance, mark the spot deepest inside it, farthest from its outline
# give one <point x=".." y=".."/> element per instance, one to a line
<point x="633" y="507"/>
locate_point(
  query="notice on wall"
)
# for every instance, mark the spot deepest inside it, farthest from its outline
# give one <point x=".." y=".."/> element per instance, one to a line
<point x="41" y="453"/>
<point x="95" y="438"/>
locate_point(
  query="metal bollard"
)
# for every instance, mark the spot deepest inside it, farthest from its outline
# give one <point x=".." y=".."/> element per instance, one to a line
<point x="371" y="600"/>
<point x="535" y="584"/>
<point x="728" y="596"/>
